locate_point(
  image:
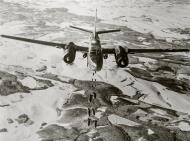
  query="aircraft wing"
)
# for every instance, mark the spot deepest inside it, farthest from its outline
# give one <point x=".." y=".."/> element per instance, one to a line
<point x="57" y="45"/>
<point x="133" y="51"/>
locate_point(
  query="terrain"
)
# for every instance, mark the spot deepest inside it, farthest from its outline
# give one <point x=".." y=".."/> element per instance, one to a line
<point x="42" y="98"/>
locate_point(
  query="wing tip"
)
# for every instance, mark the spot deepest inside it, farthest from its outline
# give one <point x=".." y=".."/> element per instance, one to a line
<point x="4" y="36"/>
<point x="186" y="50"/>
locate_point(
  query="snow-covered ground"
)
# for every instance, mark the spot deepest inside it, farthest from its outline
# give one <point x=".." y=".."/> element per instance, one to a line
<point x="156" y="17"/>
<point x="37" y="104"/>
<point x="40" y="105"/>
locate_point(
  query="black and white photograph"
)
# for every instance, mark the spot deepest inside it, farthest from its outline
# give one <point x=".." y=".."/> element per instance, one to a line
<point x="94" y="70"/>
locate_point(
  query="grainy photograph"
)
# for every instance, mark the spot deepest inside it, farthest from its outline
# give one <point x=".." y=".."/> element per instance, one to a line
<point x="94" y="70"/>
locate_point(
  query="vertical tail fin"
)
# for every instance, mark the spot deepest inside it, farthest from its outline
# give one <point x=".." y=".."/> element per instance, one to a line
<point x="95" y="21"/>
<point x="104" y="31"/>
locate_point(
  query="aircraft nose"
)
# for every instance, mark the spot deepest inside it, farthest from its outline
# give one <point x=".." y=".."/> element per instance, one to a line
<point x="122" y="63"/>
<point x="93" y="66"/>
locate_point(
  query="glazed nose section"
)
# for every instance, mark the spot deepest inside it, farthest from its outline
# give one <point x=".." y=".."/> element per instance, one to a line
<point x="92" y="66"/>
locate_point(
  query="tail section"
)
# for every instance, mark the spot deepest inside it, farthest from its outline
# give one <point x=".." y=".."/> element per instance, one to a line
<point x="94" y="32"/>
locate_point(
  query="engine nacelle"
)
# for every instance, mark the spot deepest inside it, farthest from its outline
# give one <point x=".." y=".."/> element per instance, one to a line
<point x="121" y="56"/>
<point x="70" y="53"/>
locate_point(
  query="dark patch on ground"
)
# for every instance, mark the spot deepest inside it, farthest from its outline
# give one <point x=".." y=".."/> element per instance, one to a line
<point x="165" y="68"/>
<point x="113" y="133"/>
<point x="181" y="86"/>
<point x="160" y="133"/>
<point x="24" y="119"/>
<point x="181" y="31"/>
<point x="56" y="132"/>
<point x="4" y="105"/>
<point x="173" y="84"/>
<point x="75" y="100"/>
<point x="140" y="73"/>
<point x="3" y="130"/>
<point x="9" y="84"/>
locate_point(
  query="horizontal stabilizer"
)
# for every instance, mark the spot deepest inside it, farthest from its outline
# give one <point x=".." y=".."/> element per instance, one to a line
<point x="82" y="29"/>
<point x="108" y="31"/>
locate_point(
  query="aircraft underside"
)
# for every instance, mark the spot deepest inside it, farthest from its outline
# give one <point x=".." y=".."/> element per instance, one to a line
<point x="95" y="61"/>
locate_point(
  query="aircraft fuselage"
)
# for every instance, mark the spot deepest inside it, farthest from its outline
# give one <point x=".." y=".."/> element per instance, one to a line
<point x="95" y="57"/>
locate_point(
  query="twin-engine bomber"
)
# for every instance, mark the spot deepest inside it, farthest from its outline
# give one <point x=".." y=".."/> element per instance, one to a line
<point x="95" y="53"/>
